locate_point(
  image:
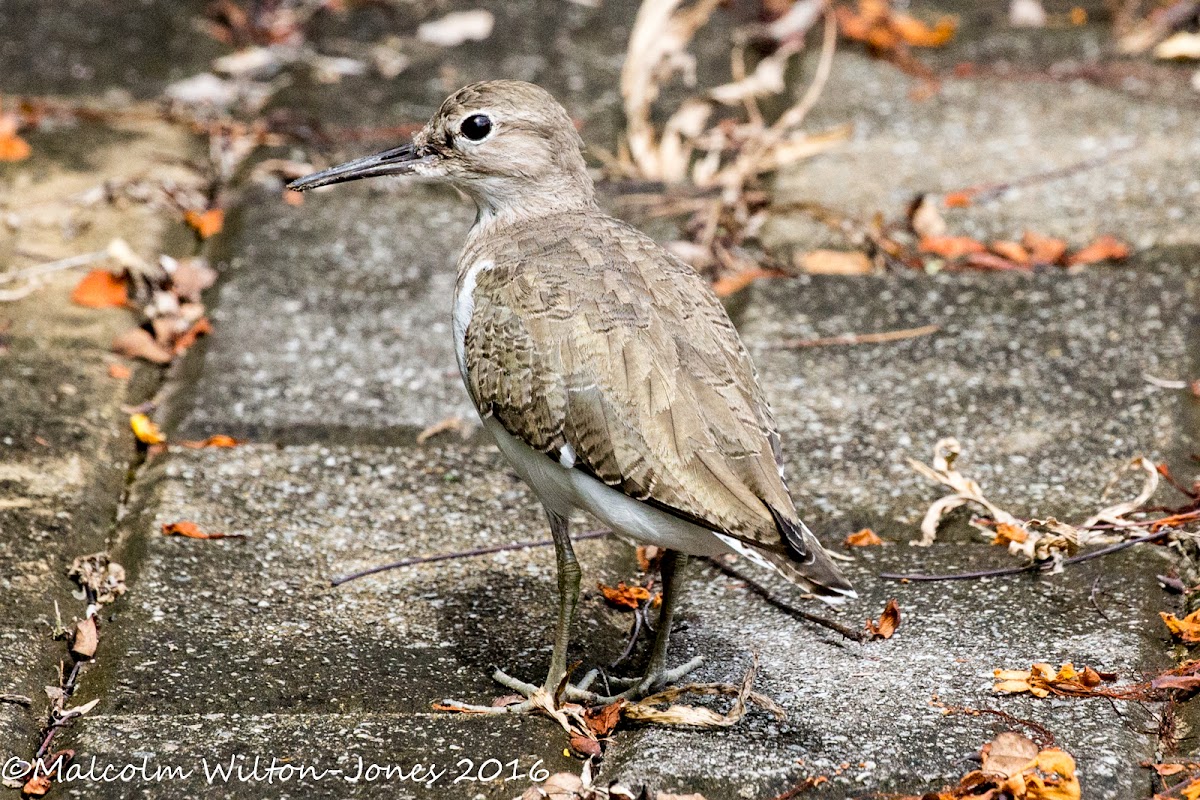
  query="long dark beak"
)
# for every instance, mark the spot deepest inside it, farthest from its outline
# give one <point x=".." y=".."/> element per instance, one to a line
<point x="399" y="161"/>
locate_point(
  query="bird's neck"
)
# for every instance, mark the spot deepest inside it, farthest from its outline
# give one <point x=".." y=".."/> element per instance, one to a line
<point x="501" y="205"/>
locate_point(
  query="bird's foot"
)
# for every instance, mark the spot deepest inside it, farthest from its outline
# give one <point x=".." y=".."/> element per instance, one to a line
<point x="636" y="688"/>
<point x="551" y="701"/>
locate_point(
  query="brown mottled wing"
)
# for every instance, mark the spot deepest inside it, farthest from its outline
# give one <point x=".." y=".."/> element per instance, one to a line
<point x="591" y="334"/>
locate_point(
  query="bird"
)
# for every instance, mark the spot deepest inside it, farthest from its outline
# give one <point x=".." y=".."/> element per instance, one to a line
<point x="610" y="376"/>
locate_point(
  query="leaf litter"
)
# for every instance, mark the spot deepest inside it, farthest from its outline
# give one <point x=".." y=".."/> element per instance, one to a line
<point x="1044" y="542"/>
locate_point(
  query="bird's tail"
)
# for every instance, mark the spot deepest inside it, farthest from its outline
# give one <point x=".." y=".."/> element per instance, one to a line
<point x="806" y="563"/>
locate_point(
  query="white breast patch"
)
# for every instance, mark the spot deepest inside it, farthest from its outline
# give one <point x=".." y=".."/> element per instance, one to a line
<point x="464" y="307"/>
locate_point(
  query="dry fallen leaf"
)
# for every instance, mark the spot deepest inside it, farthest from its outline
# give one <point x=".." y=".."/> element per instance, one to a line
<point x="205" y="223"/>
<point x="961" y="199"/>
<point x="864" y="538"/>
<point x="201" y="327"/>
<point x="888" y="622"/>
<point x="1007" y="755"/>
<point x="12" y="147"/>
<point x="834" y="262"/>
<point x="950" y="247"/>
<point x="99" y="573"/>
<point x="217" y="440"/>
<point x="585" y="745"/>
<point x="602" y="720"/>
<point x="190" y="277"/>
<point x="723" y="287"/>
<point x="100" y="289"/>
<point x="624" y="596"/>
<point x="145" y="430"/>
<point x="119" y="371"/>
<point x="559" y="786"/>
<point x="1186" y="629"/>
<point x="1013" y="251"/>
<point x="1185" y="44"/>
<point x="85" y="640"/>
<point x="1044" y="249"/>
<point x="139" y="343"/>
<point x="38" y="785"/>
<point x="192" y="531"/>
<point x="1014" y="769"/>
<point x="924" y="218"/>
<point x="1042" y="680"/>
<point x="1105" y="248"/>
<point x="457" y="27"/>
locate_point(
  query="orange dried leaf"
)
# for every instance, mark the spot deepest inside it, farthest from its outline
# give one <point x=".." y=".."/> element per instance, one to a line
<point x="1167" y="770"/>
<point x="100" y="289"/>
<point x="1007" y="533"/>
<point x="36" y="786"/>
<point x="1186" y="629"/>
<point x="201" y="327"/>
<point x="12" y="147"/>
<point x="1013" y="251"/>
<point x="864" y="538"/>
<point x="206" y="223"/>
<point x="1052" y="777"/>
<point x="918" y="34"/>
<point x="119" y="371"/>
<point x="192" y="531"/>
<point x="647" y="557"/>
<point x="624" y="596"/>
<point x="888" y="622"/>
<point x="1105" y="248"/>
<point x="585" y="745"/>
<point x="602" y="720"/>
<point x="950" y="247"/>
<point x="218" y="440"/>
<point x="1044" y="249"/>
<point x="145" y="430"/>
<point x="834" y="262"/>
<point x="723" y="287"/>
<point x="961" y="199"/>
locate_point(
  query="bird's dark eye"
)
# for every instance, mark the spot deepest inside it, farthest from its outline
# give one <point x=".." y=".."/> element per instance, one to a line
<point x="476" y="127"/>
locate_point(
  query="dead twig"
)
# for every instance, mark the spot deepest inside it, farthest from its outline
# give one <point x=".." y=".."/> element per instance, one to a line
<point x="990" y="191"/>
<point x="479" y="551"/>
<point x="765" y="593"/>
<point x="997" y="573"/>
<point x="858" y="338"/>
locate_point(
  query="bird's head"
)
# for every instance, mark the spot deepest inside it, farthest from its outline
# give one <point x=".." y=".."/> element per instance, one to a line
<point x="507" y="144"/>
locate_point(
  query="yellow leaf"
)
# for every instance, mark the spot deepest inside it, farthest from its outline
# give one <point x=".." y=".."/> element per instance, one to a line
<point x="1186" y="629"/>
<point x="145" y="429"/>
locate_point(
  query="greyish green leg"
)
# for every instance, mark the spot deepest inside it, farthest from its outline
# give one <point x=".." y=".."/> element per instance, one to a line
<point x="673" y="566"/>
<point x="657" y="676"/>
<point x="569" y="577"/>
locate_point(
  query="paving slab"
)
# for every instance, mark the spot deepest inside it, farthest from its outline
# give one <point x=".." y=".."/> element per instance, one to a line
<point x="335" y="316"/>
<point x="989" y="131"/>
<point x="1041" y="377"/>
<point x="65" y="444"/>
<point x="92" y="48"/>
<point x="243" y="643"/>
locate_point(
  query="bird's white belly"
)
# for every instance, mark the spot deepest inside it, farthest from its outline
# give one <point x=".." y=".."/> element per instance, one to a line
<point x="562" y="490"/>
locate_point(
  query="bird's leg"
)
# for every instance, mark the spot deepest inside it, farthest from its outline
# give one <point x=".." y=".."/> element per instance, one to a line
<point x="569" y="577"/>
<point x="657" y="675"/>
